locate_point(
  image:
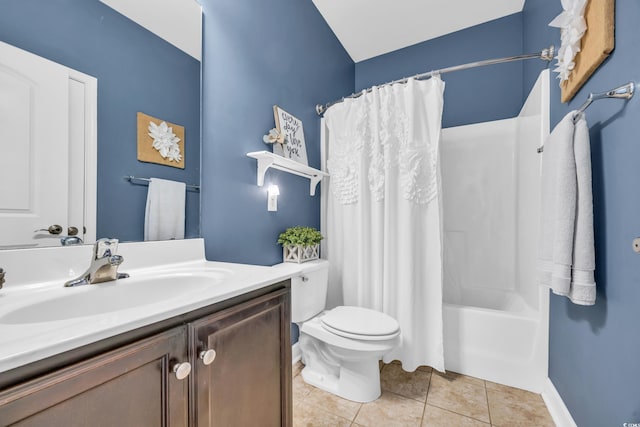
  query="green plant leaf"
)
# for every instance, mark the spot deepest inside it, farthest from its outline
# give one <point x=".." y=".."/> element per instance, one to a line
<point x="299" y="235"/>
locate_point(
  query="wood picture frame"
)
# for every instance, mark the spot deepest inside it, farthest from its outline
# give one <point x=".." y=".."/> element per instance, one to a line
<point x="596" y="45"/>
<point x="146" y="152"/>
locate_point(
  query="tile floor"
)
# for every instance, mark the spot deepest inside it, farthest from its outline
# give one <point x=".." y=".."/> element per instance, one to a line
<point x="421" y="398"/>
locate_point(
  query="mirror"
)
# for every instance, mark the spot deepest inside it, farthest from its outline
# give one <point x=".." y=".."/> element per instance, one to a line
<point x="136" y="71"/>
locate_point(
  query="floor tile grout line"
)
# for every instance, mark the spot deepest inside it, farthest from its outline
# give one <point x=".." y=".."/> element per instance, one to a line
<point x="329" y="412"/>
<point x="486" y="395"/>
<point x="458" y="413"/>
<point x="426" y="398"/>
<point x="307" y="402"/>
<point x="462" y="415"/>
<point x="404" y="397"/>
<point x="356" y="415"/>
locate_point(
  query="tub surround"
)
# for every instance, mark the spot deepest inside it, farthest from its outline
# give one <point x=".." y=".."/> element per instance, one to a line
<point x="495" y="315"/>
<point x="36" y="276"/>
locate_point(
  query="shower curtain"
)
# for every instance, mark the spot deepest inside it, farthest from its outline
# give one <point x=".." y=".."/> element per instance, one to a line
<point x="384" y="229"/>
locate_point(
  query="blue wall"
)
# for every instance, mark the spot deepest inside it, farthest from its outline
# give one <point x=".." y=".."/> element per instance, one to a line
<point x="257" y="54"/>
<point x="594" y="358"/>
<point x="470" y="96"/>
<point x="136" y="71"/>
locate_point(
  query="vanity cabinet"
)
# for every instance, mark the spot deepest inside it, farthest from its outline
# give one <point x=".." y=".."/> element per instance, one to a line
<point x="129" y="386"/>
<point x="245" y="383"/>
<point x="239" y="353"/>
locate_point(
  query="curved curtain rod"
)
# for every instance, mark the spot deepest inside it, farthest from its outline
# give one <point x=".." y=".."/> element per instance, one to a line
<point x="545" y="55"/>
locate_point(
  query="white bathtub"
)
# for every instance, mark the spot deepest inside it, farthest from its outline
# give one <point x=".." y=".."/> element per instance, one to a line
<point x="495" y="316"/>
<point x="506" y="344"/>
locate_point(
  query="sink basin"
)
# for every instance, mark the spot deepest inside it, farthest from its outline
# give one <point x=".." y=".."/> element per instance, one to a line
<point x="111" y="297"/>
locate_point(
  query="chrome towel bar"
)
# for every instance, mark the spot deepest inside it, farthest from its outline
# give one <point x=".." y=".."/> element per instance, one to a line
<point x="621" y="92"/>
<point x="146" y="181"/>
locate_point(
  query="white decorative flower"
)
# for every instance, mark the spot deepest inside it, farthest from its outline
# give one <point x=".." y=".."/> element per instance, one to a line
<point x="274" y="136"/>
<point x="165" y="141"/>
<point x="572" y="27"/>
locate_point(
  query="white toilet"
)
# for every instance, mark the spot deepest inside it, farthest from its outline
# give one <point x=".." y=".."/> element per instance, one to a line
<point x="340" y="347"/>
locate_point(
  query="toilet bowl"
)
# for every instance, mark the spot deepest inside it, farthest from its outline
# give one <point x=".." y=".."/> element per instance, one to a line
<point x="340" y="347"/>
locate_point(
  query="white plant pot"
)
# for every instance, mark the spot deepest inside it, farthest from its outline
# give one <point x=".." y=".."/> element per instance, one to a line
<point x="300" y="253"/>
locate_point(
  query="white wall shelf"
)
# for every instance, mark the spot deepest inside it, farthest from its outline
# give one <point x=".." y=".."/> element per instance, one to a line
<point x="267" y="159"/>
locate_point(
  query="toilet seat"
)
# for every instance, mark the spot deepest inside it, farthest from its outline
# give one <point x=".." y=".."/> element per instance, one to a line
<point x="360" y="323"/>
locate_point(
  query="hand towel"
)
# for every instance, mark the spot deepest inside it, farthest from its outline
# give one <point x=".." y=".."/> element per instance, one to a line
<point x="583" y="284"/>
<point x="567" y="256"/>
<point x="164" y="215"/>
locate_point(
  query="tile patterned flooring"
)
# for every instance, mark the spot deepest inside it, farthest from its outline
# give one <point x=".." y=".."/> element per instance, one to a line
<point x="424" y="398"/>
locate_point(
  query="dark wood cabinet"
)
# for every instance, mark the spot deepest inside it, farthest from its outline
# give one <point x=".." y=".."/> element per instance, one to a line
<point x="252" y="347"/>
<point x="130" y="381"/>
<point x="130" y="386"/>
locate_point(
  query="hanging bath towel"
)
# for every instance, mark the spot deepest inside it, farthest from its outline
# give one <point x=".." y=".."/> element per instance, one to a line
<point x="567" y="256"/>
<point x="164" y="215"/>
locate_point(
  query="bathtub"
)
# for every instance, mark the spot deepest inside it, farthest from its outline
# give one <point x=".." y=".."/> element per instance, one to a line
<point x="505" y="343"/>
<point x="495" y="315"/>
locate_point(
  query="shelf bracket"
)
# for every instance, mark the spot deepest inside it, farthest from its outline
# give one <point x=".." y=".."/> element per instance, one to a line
<point x="313" y="183"/>
<point x="263" y="166"/>
<point x="268" y="160"/>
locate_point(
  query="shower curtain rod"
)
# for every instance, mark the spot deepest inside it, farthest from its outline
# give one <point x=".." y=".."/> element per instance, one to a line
<point x="545" y="54"/>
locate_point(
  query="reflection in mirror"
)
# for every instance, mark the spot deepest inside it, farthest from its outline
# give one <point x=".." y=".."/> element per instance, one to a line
<point x="134" y="71"/>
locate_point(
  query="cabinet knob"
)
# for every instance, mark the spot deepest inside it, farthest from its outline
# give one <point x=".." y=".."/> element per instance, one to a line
<point x="182" y="370"/>
<point x="207" y="356"/>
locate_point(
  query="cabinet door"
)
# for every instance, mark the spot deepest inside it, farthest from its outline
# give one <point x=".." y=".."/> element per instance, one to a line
<point x="249" y="381"/>
<point x="131" y="386"/>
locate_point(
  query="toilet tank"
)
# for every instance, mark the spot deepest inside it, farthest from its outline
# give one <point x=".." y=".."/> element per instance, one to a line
<point x="309" y="290"/>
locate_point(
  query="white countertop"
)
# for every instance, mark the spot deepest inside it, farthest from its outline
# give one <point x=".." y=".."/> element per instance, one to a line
<point x="29" y="283"/>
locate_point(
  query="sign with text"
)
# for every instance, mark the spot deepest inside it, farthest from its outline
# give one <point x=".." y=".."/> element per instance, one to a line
<point x="291" y="127"/>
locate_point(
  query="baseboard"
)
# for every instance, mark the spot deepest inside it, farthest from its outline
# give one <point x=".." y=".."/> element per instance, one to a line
<point x="558" y="410"/>
<point x="296" y="354"/>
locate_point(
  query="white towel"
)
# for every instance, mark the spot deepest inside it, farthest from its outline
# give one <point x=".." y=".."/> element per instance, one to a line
<point x="567" y="255"/>
<point x="164" y="215"/>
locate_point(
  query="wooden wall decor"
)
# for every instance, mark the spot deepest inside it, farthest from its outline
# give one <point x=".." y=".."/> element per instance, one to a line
<point x="146" y="151"/>
<point x="597" y="43"/>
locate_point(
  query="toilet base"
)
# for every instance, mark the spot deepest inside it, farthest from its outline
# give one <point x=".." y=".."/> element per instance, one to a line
<point x="358" y="381"/>
<point x="343" y="366"/>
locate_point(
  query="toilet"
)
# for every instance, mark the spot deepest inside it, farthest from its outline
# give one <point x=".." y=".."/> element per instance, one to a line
<point x="340" y="347"/>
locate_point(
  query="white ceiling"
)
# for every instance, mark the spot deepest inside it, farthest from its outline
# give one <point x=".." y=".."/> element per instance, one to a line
<point x="368" y="28"/>
<point x="177" y="21"/>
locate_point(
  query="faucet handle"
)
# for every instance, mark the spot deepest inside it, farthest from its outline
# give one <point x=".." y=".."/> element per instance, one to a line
<point x="1" y="277"/>
<point x="105" y="247"/>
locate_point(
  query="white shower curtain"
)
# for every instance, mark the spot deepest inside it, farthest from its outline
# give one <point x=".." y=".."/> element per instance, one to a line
<point x="384" y="230"/>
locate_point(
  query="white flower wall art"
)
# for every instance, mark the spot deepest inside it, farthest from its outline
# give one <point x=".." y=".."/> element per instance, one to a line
<point x="587" y="38"/>
<point x="165" y="141"/>
<point x="160" y="141"/>
<point x="572" y="27"/>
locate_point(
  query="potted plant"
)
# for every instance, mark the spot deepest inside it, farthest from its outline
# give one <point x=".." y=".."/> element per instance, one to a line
<point x="300" y="244"/>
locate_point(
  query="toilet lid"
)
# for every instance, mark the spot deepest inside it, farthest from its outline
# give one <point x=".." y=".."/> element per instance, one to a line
<point x="360" y="323"/>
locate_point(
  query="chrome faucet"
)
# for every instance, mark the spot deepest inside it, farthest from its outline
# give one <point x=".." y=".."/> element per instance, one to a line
<point x="104" y="265"/>
<point x="70" y="240"/>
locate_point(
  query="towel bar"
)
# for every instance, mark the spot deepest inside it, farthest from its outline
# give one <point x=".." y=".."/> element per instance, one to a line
<point x="132" y="178"/>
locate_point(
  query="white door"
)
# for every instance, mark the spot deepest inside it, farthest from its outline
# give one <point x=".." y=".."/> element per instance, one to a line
<point x="35" y="157"/>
